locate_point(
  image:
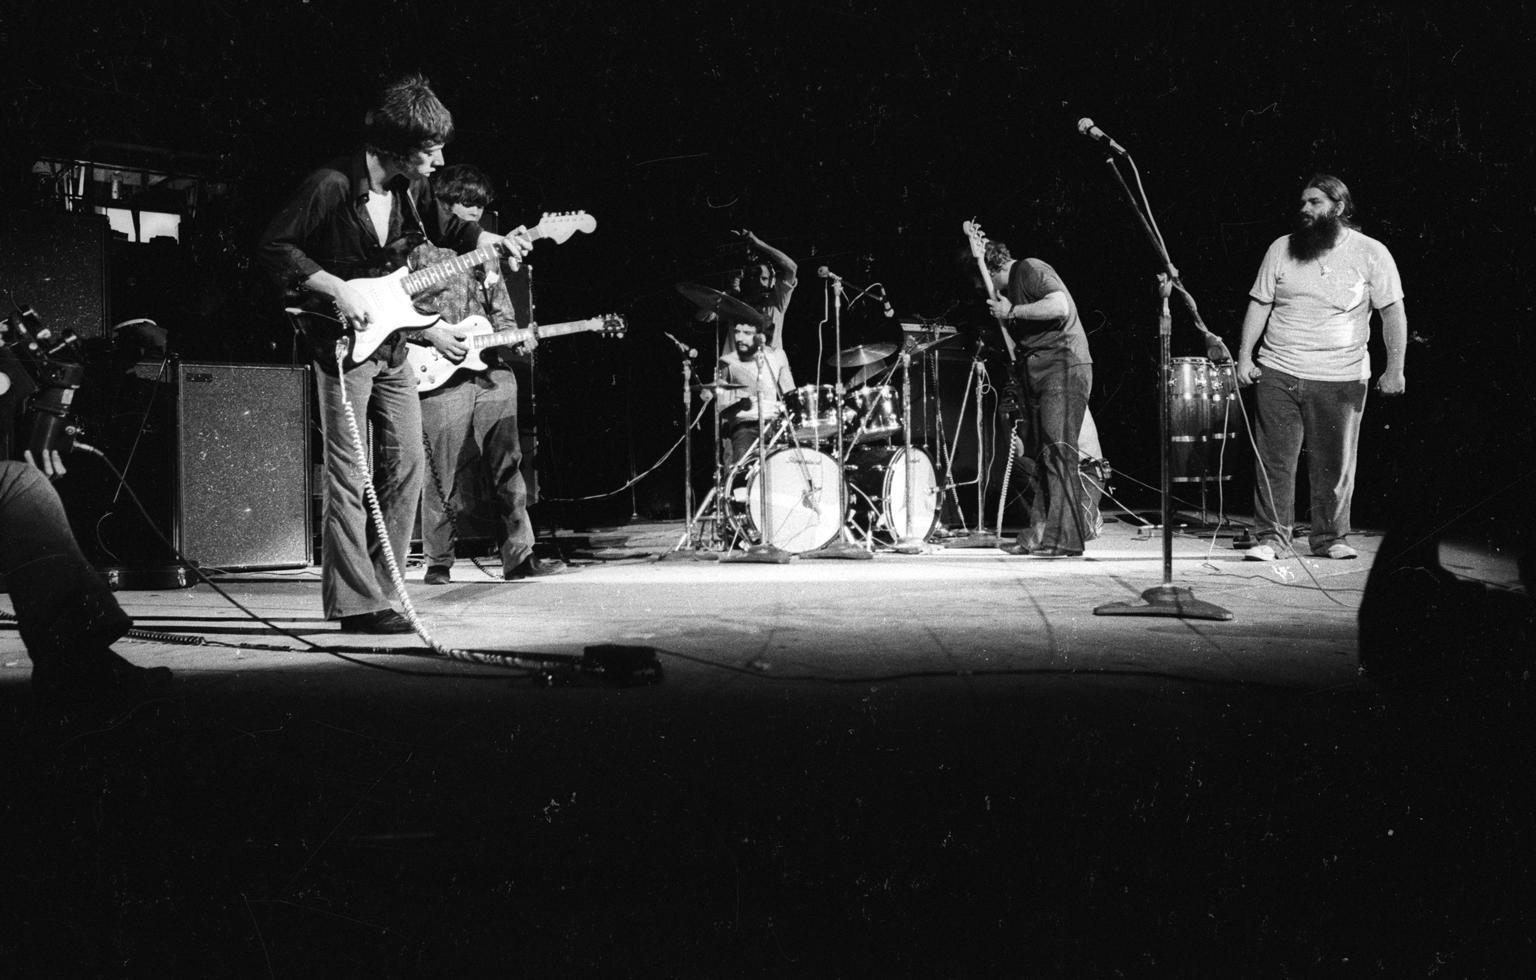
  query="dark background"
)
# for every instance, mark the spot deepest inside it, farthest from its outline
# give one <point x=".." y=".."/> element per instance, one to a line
<point x="858" y="136"/>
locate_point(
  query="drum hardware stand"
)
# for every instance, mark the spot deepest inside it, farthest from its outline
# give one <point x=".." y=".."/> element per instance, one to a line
<point x="1166" y="599"/>
<point x="981" y="537"/>
<point x="908" y="543"/>
<point x="843" y="546"/>
<point x="763" y="553"/>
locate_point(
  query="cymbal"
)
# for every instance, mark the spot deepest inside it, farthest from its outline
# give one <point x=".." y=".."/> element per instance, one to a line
<point x="720" y="386"/>
<point x="726" y="306"/>
<point x="859" y="356"/>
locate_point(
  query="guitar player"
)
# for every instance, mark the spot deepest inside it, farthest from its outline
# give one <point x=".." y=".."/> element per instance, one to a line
<point x="471" y="421"/>
<point x="360" y="216"/>
<point x="1054" y="371"/>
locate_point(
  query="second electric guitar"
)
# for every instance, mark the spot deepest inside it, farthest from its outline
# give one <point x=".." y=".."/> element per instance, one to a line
<point x="430" y="368"/>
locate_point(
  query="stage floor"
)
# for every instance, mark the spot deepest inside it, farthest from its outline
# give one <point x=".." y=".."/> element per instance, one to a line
<point x="926" y="764"/>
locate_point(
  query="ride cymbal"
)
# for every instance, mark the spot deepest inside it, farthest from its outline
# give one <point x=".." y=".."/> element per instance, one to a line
<point x="860" y="356"/>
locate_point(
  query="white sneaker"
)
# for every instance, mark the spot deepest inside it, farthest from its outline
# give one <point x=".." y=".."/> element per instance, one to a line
<point x="1338" y="551"/>
<point x="1261" y="552"/>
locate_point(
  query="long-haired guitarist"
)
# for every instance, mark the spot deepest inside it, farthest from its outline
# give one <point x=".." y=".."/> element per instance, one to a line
<point x="349" y="223"/>
<point x="471" y="420"/>
<point x="1055" y="373"/>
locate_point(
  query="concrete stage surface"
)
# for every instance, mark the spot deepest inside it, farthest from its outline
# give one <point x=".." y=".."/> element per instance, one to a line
<point x="938" y="764"/>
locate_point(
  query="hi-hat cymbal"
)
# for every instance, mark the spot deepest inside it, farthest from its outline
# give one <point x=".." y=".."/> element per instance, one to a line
<point x="726" y="306"/>
<point x="720" y="386"/>
<point x="860" y="356"/>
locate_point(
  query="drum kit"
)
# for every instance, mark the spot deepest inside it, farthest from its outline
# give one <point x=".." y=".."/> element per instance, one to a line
<point x="833" y="473"/>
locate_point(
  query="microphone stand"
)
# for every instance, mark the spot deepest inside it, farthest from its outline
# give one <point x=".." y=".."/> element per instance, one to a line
<point x="689" y="537"/>
<point x="840" y="546"/>
<point x="764" y="552"/>
<point x="1167" y="599"/>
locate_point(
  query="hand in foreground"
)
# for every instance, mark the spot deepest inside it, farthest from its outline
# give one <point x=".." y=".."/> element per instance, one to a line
<point x="1391" y="383"/>
<point x="1247" y="372"/>
<point x="52" y="464"/>
<point x="448" y="341"/>
<point x="352" y="307"/>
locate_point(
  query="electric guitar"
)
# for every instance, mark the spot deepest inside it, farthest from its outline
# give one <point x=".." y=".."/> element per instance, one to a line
<point x="431" y="368"/>
<point x="979" y="251"/>
<point x="387" y="299"/>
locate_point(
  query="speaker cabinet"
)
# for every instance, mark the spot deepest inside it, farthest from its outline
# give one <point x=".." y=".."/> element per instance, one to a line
<point x="56" y="262"/>
<point x="242" y="460"/>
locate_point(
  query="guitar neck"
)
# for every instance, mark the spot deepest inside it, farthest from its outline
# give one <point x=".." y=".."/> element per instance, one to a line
<point x="519" y="335"/>
<point x="441" y="272"/>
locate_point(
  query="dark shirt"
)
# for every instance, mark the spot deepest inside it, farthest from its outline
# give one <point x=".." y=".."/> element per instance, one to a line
<point x="325" y="225"/>
<point x="1032" y="280"/>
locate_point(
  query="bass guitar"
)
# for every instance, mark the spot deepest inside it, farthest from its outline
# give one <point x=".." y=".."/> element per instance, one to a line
<point x="387" y="299"/>
<point x="978" y="242"/>
<point x="431" y="368"/>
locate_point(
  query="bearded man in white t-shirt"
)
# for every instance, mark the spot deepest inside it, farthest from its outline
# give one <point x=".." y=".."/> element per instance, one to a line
<point x="1304" y="348"/>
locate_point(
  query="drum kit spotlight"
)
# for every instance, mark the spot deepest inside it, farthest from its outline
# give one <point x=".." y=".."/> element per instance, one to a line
<point x="833" y="472"/>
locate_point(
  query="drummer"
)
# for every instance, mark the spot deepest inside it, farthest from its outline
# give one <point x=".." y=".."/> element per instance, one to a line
<point x="755" y="359"/>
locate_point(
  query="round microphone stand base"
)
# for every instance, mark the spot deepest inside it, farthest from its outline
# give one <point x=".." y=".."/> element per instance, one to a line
<point x="1165" y="600"/>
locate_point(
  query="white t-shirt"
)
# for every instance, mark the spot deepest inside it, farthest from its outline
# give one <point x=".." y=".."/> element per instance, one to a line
<point x="774" y="378"/>
<point x="1320" y="320"/>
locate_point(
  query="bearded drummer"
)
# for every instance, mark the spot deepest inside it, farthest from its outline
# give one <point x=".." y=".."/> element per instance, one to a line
<point x="755" y="359"/>
<point x="754" y="375"/>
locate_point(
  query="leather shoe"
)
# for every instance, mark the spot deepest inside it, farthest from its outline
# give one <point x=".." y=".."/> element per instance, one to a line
<point x="531" y="567"/>
<point x="383" y="621"/>
<point x="437" y="575"/>
<point x="1055" y="552"/>
<point x="102" y="674"/>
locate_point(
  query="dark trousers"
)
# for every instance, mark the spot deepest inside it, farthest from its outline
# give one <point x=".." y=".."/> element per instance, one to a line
<point x="472" y="433"/>
<point x="1055" y="400"/>
<point x="1322" y="417"/>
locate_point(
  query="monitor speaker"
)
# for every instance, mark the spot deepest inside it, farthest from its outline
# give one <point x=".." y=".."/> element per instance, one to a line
<point x="242" y="460"/>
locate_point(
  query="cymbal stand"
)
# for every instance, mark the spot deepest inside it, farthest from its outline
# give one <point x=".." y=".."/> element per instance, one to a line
<point x="843" y="546"/>
<point x="908" y="542"/>
<point x="764" y="552"/>
<point x="981" y="537"/>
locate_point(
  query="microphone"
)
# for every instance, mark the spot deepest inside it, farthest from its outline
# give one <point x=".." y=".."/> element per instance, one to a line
<point x="885" y="301"/>
<point x="826" y="273"/>
<point x="1088" y="129"/>
<point x="687" y="351"/>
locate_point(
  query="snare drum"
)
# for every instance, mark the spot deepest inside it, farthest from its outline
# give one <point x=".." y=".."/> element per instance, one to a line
<point x="874" y="411"/>
<point x="882" y="501"/>
<point x="805" y="499"/>
<point x="813" y="414"/>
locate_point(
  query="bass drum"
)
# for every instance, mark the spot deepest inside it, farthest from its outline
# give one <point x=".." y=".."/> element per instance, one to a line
<point x="883" y="499"/>
<point x="805" y="499"/>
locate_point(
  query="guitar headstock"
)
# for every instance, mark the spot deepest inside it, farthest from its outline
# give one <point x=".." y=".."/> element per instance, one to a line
<point x="559" y="226"/>
<point x="977" y="238"/>
<point x="613" y="325"/>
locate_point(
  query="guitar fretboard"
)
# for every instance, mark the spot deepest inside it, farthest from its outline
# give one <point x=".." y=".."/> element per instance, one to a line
<point x="518" y="336"/>
<point x="441" y="272"/>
